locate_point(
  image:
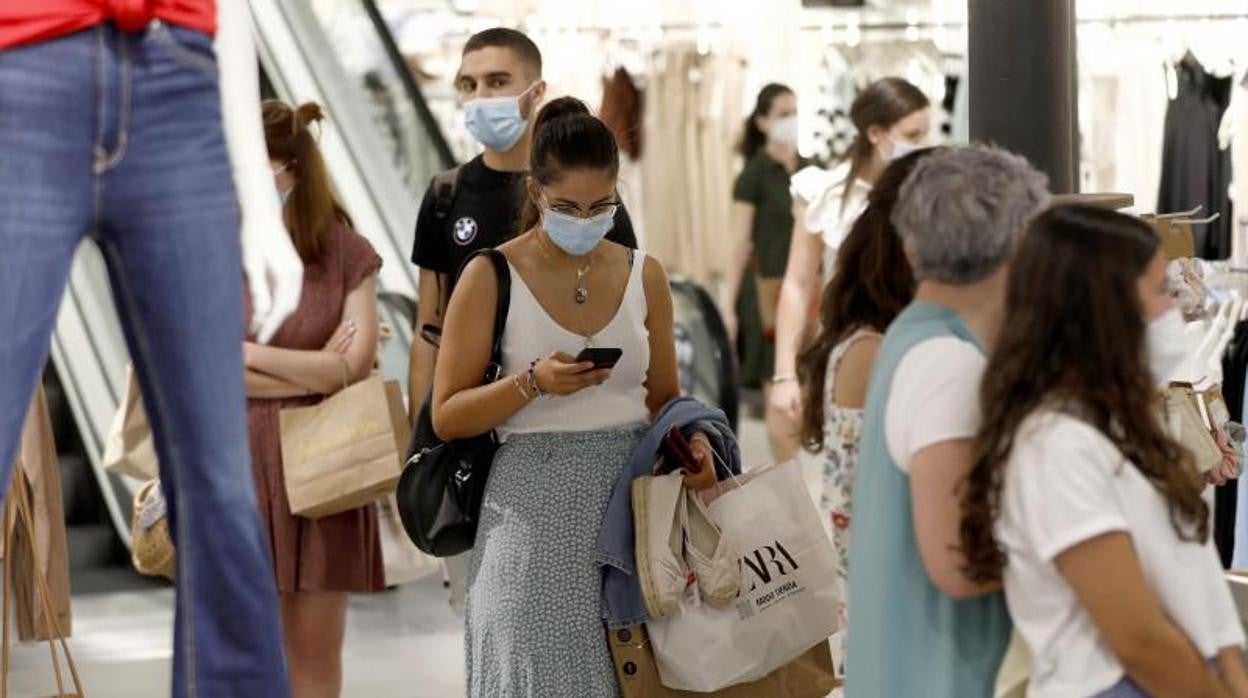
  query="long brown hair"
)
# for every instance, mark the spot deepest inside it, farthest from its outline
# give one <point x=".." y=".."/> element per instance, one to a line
<point x="1074" y="338"/>
<point x="565" y="137"/>
<point x="872" y="285"/>
<point x="885" y="102"/>
<point x="312" y="208"/>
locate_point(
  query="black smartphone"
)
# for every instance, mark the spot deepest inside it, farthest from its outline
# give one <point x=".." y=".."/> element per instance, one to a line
<point x="601" y="357"/>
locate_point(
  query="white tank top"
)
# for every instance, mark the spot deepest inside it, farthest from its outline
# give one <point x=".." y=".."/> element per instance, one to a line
<point x="531" y="334"/>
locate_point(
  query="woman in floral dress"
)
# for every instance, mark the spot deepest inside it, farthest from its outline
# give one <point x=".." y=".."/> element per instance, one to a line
<point x="872" y="285"/>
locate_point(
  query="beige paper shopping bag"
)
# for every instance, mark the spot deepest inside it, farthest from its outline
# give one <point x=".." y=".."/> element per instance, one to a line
<point x="43" y="550"/>
<point x="129" y="449"/>
<point x="18" y="517"/>
<point x="340" y="454"/>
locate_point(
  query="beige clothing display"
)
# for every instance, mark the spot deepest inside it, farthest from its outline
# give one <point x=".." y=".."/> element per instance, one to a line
<point x="691" y="122"/>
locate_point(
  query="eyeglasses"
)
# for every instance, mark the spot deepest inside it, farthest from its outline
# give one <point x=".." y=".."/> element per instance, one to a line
<point x="578" y="212"/>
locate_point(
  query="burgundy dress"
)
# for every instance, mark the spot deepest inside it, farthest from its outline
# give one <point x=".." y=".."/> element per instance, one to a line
<point x="335" y="553"/>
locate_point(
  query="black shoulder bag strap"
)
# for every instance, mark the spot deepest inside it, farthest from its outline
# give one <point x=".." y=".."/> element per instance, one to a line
<point x="502" y="272"/>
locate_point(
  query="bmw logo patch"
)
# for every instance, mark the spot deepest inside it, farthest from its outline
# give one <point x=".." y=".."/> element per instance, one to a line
<point x="465" y="230"/>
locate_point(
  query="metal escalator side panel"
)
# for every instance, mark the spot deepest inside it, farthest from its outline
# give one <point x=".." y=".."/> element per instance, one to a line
<point x="302" y="65"/>
<point x="705" y="357"/>
<point x="89" y="354"/>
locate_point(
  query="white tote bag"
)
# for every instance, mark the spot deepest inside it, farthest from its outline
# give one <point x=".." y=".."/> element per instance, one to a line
<point x="403" y="561"/>
<point x="788" y="589"/>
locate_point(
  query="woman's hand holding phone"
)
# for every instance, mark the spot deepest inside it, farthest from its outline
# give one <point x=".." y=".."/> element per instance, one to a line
<point x="561" y="374"/>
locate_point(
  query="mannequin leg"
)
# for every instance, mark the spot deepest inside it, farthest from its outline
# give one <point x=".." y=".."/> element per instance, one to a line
<point x="45" y="206"/>
<point x="169" y="233"/>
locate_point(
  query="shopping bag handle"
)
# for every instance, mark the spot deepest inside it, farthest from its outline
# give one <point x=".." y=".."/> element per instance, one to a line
<point x="19" y="490"/>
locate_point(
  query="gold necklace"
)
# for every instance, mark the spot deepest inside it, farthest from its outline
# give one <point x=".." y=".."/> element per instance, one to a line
<point x="581" y="295"/>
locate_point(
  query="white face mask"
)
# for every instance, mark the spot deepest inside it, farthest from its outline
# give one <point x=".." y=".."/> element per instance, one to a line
<point x="900" y="149"/>
<point x="784" y="131"/>
<point x="1166" y="347"/>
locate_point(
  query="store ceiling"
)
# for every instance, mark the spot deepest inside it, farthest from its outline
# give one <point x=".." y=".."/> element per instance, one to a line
<point x="574" y="12"/>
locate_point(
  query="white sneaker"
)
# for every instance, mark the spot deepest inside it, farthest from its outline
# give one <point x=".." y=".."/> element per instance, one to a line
<point x="712" y="558"/>
<point x="657" y="505"/>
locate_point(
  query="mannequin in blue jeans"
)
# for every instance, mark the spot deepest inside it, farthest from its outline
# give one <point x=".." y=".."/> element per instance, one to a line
<point x="118" y="137"/>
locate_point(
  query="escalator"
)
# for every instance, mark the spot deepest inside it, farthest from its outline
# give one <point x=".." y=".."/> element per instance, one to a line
<point x="381" y="146"/>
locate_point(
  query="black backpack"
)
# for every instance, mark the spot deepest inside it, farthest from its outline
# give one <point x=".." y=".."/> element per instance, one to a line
<point x="440" y="491"/>
<point x="445" y="187"/>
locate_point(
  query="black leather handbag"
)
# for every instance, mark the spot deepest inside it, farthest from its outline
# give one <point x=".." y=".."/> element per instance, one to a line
<point x="440" y="492"/>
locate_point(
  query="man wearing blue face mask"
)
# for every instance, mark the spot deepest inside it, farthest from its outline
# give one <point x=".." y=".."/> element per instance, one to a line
<point x="477" y="205"/>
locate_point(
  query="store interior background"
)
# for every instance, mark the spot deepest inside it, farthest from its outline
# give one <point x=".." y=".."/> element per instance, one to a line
<point x="699" y="64"/>
<point x="1125" y="52"/>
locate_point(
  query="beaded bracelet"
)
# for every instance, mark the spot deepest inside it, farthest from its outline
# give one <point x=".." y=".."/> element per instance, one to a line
<point x="533" y="386"/>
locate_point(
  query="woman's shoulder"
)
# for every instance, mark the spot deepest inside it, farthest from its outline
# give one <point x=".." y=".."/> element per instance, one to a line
<point x="358" y="257"/>
<point x="755" y="163"/>
<point x="345" y="238"/>
<point x="850" y="365"/>
<point x="1054" y="429"/>
<point x="652" y="270"/>
<point x="863" y="343"/>
<point x="809" y="183"/>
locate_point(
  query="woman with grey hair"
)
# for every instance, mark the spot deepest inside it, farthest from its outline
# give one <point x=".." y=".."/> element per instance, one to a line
<point x="923" y="627"/>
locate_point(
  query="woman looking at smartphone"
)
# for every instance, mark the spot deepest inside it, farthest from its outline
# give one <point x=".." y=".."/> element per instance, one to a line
<point x="534" y="605"/>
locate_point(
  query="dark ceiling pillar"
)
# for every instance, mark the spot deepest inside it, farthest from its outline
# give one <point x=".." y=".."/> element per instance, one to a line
<point x="1023" y="83"/>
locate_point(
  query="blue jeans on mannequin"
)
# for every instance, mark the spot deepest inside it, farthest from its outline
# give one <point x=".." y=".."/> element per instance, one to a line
<point x="118" y="137"/>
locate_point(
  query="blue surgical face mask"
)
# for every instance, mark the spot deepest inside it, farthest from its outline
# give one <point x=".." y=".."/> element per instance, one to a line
<point x="496" y="122"/>
<point x="577" y="236"/>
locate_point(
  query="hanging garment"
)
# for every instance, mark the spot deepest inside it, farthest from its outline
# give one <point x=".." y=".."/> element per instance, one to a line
<point x="690" y="121"/>
<point x="1196" y="170"/>
<point x="622" y="111"/>
<point x="1238" y="133"/>
<point x="1229" y="518"/>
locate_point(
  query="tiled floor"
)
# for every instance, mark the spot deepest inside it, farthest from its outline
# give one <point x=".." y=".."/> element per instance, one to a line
<point x="405" y="642"/>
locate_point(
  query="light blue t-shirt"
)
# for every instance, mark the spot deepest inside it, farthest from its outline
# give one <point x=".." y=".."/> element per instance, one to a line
<point x="908" y="638"/>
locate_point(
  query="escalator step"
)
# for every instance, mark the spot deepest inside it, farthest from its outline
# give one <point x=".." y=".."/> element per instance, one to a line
<point x="94" y="546"/>
<point x="80" y="492"/>
<point x="64" y="428"/>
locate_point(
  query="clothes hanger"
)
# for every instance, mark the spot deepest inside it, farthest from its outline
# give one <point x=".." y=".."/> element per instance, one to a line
<point x="1213" y="365"/>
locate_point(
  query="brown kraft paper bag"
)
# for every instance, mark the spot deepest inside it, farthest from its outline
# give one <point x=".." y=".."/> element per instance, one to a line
<point x="342" y="453"/>
<point x="130" y="449"/>
<point x="809" y="676"/>
<point x="43" y="550"/>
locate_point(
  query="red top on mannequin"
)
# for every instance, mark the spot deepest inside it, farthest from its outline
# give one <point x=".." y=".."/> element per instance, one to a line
<point x="33" y="21"/>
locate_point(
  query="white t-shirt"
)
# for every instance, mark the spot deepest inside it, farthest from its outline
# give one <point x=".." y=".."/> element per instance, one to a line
<point x="1065" y="484"/>
<point x="934" y="397"/>
<point x="829" y="214"/>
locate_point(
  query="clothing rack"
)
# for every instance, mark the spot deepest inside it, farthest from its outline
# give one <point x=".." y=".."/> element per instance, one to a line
<point x="845" y="22"/>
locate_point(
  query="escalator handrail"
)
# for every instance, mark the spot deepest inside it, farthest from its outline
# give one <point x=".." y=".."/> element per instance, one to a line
<point x="726" y="355"/>
<point x="427" y="119"/>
